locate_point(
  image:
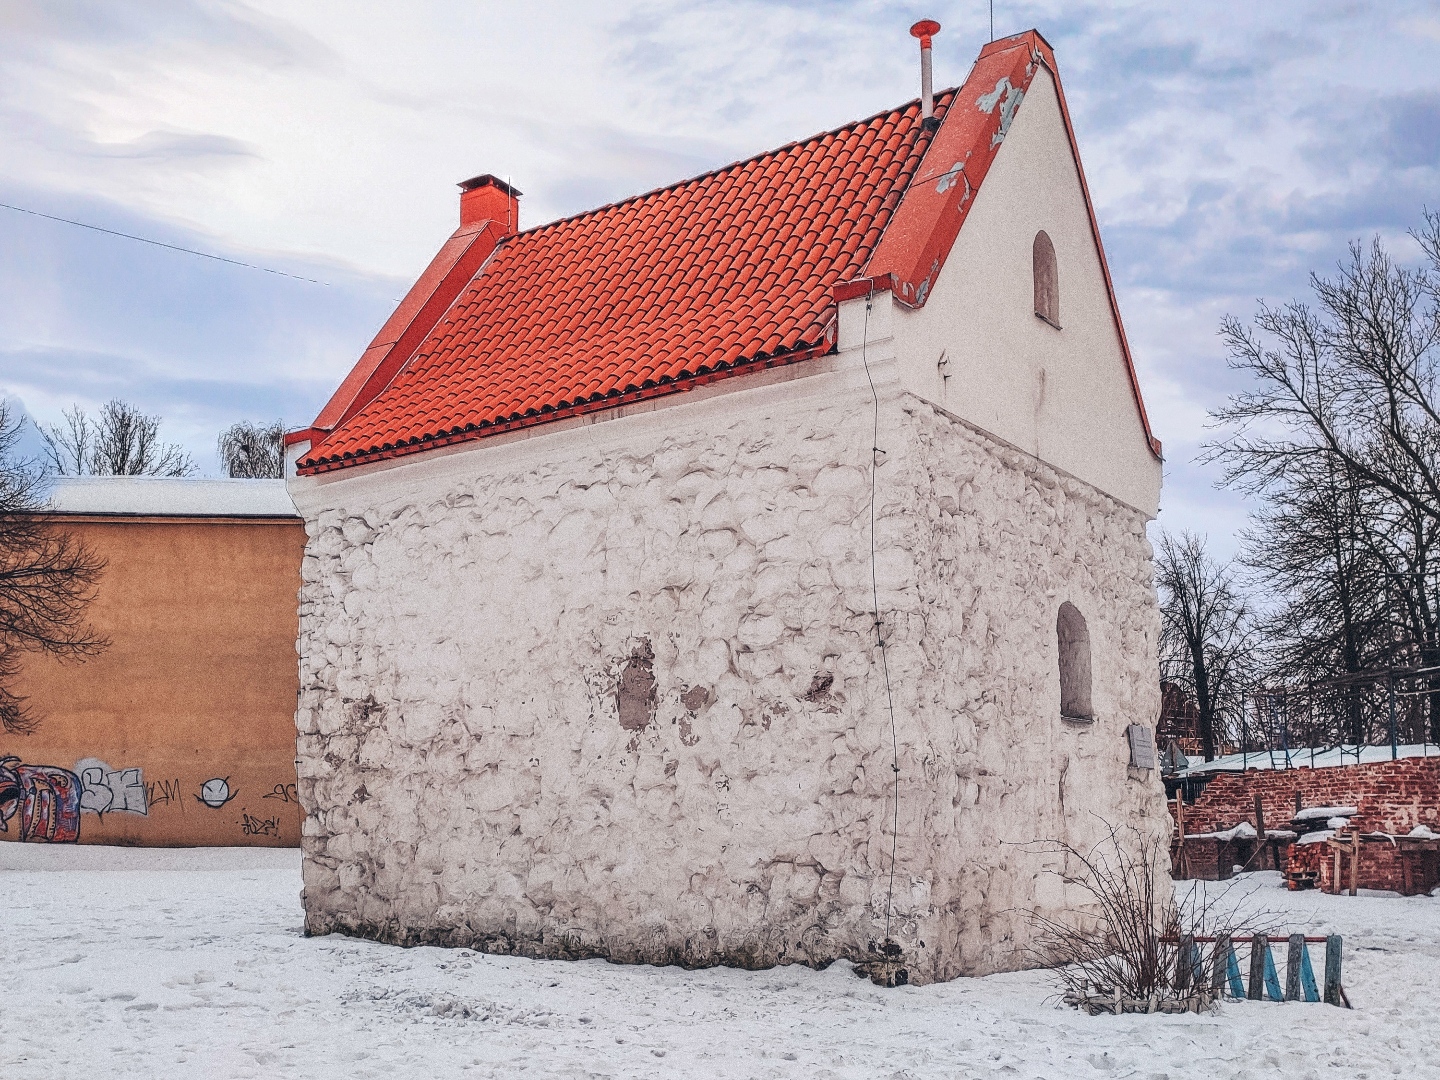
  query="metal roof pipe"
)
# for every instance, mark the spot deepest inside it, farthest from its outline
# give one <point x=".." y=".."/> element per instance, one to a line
<point x="925" y="29"/>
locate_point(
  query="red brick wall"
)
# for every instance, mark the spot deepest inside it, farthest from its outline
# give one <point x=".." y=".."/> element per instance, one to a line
<point x="1381" y="867"/>
<point x="1392" y="796"/>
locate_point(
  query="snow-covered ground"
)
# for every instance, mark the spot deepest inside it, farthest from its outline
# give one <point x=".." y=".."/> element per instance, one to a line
<point x="193" y="965"/>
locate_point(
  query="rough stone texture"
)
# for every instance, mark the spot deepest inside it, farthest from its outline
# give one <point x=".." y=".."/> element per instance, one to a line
<point x="625" y="700"/>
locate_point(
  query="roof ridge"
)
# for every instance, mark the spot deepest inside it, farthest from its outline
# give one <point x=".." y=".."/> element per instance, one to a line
<point x="737" y="163"/>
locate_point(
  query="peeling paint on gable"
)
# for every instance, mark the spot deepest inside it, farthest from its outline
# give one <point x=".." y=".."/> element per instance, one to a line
<point x="1008" y="97"/>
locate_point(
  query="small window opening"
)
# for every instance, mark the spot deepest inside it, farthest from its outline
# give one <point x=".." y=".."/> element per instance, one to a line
<point x="1047" y="280"/>
<point x="1074" y="637"/>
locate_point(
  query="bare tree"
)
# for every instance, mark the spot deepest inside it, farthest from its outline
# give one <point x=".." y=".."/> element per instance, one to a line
<point x="1207" y="633"/>
<point x="1352" y="382"/>
<point x="47" y="577"/>
<point x="120" y="441"/>
<point x="253" y="452"/>
<point x="1340" y="436"/>
<point x="1312" y="545"/>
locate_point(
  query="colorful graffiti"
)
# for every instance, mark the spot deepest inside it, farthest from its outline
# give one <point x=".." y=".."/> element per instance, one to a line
<point x="45" y="798"/>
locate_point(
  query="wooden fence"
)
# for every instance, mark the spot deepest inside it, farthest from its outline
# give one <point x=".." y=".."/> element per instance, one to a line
<point x="1199" y="979"/>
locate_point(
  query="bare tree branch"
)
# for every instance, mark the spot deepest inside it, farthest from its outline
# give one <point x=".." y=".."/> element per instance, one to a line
<point x="47" y="577"/>
<point x="1207" y="634"/>
<point x="120" y="441"/>
<point x="251" y="451"/>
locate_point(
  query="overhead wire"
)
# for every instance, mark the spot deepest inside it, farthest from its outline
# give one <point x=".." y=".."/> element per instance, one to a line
<point x="160" y="243"/>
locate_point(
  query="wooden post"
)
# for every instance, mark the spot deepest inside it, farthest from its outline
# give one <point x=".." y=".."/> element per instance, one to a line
<point x="1338" y="878"/>
<point x="1332" y="970"/>
<point x="1294" y="947"/>
<point x="1298" y="807"/>
<point x="1258" y="947"/>
<point x="1260" y="835"/>
<point x="1184" y="967"/>
<point x="1354" y="862"/>
<point x="1220" y="964"/>
<point x="1273" y="989"/>
<point x="1182" y="863"/>
<point x="1307" y="974"/>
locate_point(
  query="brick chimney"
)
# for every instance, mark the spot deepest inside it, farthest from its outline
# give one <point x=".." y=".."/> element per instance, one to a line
<point x="488" y="198"/>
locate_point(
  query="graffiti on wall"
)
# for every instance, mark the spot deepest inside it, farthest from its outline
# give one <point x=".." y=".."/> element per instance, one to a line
<point x="108" y="791"/>
<point x="216" y="792"/>
<point x="163" y="793"/>
<point x="257" y="826"/>
<point x="43" y="801"/>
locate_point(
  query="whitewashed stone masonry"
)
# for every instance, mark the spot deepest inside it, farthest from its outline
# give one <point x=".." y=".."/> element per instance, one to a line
<point x="615" y="692"/>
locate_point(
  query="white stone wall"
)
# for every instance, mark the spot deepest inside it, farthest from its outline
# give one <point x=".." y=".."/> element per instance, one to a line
<point x="614" y="692"/>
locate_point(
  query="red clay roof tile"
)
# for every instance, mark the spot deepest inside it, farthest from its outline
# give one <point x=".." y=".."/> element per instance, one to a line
<point x="729" y="268"/>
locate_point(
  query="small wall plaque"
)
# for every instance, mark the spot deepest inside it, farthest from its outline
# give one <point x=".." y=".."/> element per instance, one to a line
<point x="1142" y="746"/>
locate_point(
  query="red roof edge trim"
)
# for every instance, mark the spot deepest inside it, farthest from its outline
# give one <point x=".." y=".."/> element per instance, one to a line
<point x="930" y="215"/>
<point x="452" y="268"/>
<point x="312" y="466"/>
<point x="304" y="434"/>
<point x="865" y="286"/>
<point x="1048" y="56"/>
<point x="936" y="203"/>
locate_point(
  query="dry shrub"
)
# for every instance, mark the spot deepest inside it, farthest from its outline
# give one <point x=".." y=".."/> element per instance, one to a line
<point x="1125" y="936"/>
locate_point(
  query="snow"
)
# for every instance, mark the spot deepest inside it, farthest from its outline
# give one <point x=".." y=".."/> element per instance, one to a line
<point x="1310" y="757"/>
<point x="192" y="964"/>
<point x="166" y="496"/>
<point x="1315" y="813"/>
<point x="1243" y="831"/>
<point x="1319" y="836"/>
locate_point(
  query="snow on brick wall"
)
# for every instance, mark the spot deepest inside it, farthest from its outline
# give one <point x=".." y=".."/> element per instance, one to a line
<point x="1390" y="796"/>
<point x="613" y="691"/>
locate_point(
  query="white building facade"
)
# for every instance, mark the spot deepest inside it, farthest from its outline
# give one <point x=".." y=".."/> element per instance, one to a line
<point x="613" y="684"/>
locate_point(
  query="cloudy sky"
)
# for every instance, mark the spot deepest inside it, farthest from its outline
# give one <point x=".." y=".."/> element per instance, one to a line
<point x="1231" y="148"/>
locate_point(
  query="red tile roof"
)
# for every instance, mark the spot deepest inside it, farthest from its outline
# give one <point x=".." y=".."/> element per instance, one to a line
<point x="732" y="269"/>
<point x="729" y="272"/>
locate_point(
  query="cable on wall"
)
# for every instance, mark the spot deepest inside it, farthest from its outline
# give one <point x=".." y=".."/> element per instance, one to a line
<point x="879" y="625"/>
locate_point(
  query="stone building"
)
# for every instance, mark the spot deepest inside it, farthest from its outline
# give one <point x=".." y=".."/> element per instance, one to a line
<point x="600" y="524"/>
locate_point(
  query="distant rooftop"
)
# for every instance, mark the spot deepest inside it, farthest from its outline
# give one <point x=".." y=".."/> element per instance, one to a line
<point x="163" y="496"/>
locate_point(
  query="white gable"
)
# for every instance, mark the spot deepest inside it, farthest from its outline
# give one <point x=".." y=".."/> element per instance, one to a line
<point x="1063" y="395"/>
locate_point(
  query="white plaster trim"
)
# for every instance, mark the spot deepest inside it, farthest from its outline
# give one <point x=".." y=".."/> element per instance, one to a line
<point x="801" y="385"/>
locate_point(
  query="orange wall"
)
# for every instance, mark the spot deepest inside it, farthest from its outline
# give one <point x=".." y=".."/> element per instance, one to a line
<point x="198" y="684"/>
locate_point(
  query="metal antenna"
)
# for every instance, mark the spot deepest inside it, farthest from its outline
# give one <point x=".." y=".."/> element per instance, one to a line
<point x="992" y="20"/>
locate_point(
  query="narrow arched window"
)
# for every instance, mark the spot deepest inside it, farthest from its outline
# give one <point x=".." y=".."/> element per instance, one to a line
<point x="1047" y="280"/>
<point x="1074" y="637"/>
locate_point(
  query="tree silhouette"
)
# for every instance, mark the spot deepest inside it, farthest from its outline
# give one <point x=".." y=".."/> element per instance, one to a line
<point x="47" y="577"/>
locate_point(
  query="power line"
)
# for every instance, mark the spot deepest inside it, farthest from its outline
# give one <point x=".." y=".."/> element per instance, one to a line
<point x="161" y="243"/>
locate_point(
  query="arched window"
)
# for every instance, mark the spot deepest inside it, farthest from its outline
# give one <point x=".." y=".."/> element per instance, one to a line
<point x="1074" y="637"/>
<point x="1047" y="280"/>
